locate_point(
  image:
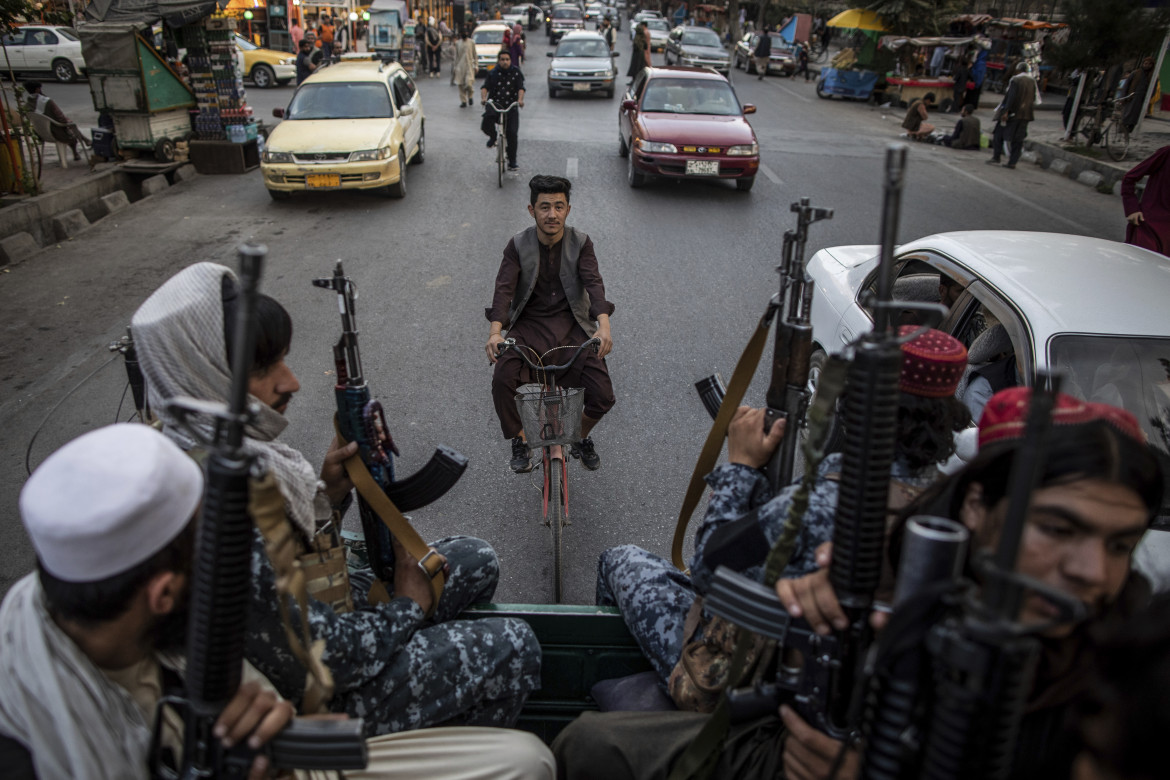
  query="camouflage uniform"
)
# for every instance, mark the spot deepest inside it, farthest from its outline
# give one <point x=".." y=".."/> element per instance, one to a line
<point x="654" y="596"/>
<point x="396" y="671"/>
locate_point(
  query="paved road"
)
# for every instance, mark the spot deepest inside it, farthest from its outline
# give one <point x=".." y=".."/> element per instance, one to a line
<point x="689" y="266"/>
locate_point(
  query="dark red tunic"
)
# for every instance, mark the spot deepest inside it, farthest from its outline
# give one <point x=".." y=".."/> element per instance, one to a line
<point x="1154" y="230"/>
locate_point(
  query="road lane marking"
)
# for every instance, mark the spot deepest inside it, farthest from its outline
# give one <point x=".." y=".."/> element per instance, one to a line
<point x="790" y="91"/>
<point x="571" y="168"/>
<point x="764" y="169"/>
<point x="1013" y="196"/>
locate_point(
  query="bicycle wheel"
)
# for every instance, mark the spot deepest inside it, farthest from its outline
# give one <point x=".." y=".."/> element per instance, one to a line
<point x="500" y="141"/>
<point x="1116" y="142"/>
<point x="555" y="477"/>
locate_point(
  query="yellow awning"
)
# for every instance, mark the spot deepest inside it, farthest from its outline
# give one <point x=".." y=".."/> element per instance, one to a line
<point x="857" y="19"/>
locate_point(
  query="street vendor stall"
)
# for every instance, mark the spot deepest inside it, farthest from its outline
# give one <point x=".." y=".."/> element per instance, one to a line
<point x="130" y="81"/>
<point x="907" y="88"/>
<point x="850" y="73"/>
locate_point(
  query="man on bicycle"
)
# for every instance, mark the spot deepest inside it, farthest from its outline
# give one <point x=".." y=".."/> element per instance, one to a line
<point x="503" y="86"/>
<point x="549" y="293"/>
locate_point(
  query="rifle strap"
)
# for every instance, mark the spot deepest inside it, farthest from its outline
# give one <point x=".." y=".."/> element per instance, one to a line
<point x="400" y="528"/>
<point x="266" y="506"/>
<point x="699" y="760"/>
<point x="740" y="379"/>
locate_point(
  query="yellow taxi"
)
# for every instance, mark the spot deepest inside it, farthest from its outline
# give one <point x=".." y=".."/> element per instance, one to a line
<point x="489" y="39"/>
<point x="355" y="124"/>
<point x="266" y="67"/>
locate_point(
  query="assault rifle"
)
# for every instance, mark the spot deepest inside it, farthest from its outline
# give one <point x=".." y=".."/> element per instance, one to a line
<point x="221" y="588"/>
<point x="363" y="420"/>
<point x="788" y="395"/>
<point x="821" y="690"/>
<point x="979" y="660"/>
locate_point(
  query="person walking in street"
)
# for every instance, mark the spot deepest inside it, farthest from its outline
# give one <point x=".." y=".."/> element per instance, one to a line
<point x="549" y="293"/>
<point x="763" y="53"/>
<point x="640" y="57"/>
<point x="64" y="130"/>
<point x="1015" y="112"/>
<point x="305" y="64"/>
<point x="434" y="44"/>
<point x="296" y="33"/>
<point x="608" y="33"/>
<point x="465" y="69"/>
<point x="325" y="32"/>
<point x="516" y="49"/>
<point x="504" y="86"/>
<point x="801" y="61"/>
<point x="1148" y="219"/>
<point x="961" y="73"/>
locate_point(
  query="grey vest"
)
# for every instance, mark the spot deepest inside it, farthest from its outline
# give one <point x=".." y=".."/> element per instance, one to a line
<point x="528" y="247"/>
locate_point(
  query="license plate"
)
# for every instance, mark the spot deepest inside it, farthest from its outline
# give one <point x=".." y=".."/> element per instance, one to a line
<point x="581" y="86"/>
<point x="702" y="167"/>
<point x="321" y="180"/>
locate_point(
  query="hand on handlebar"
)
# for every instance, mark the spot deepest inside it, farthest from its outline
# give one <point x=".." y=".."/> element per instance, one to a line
<point x="494" y="346"/>
<point x="605" y="341"/>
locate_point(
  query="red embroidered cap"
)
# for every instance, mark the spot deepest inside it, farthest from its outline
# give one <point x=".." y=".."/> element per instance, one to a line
<point x="932" y="364"/>
<point x="1005" y="413"/>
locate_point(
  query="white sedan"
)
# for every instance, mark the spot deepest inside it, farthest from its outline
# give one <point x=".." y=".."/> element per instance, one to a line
<point x="47" y="49"/>
<point x="1089" y="309"/>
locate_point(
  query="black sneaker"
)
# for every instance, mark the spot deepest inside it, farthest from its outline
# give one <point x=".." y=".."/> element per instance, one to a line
<point x="491" y="142"/>
<point x="521" y="456"/>
<point x="584" y="450"/>
<point x="513" y="167"/>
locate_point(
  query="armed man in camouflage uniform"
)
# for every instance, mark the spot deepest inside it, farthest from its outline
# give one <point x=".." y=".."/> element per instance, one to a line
<point x="654" y="597"/>
<point x="389" y="665"/>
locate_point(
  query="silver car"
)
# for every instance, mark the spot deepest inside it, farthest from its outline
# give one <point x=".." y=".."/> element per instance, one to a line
<point x="582" y="62"/>
<point x="697" y="47"/>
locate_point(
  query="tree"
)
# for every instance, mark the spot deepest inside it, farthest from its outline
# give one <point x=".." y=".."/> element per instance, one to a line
<point x="1102" y="35"/>
<point x="917" y="17"/>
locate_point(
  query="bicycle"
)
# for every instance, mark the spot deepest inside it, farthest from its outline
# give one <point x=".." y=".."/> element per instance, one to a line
<point x="1102" y="124"/>
<point x="501" y="136"/>
<point x="551" y="417"/>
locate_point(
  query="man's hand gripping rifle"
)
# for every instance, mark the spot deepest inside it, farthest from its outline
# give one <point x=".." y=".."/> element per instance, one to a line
<point x="822" y="688"/>
<point x="362" y="420"/>
<point x="221" y="587"/>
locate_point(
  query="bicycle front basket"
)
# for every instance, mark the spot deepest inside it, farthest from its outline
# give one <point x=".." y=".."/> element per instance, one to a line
<point x="550" y="417"/>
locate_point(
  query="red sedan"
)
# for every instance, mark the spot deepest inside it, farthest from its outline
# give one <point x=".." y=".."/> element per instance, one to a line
<point x="686" y="123"/>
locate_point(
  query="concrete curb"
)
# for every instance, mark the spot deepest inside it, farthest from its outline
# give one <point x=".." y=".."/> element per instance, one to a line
<point x="30" y="224"/>
<point x="1101" y="176"/>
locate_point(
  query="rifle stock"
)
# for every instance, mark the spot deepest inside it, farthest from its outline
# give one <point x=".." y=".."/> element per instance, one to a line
<point x="363" y="420"/>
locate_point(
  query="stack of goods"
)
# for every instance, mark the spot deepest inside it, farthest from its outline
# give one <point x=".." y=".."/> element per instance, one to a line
<point x="217" y="81"/>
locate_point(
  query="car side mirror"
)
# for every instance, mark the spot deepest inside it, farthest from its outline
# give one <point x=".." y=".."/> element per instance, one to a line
<point x="278" y="113"/>
<point x="629" y="105"/>
<point x="548" y="54"/>
<point x="748" y="108"/>
<point x="408" y="110"/>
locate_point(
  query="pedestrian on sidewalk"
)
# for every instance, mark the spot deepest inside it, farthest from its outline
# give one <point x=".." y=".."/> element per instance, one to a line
<point x="1148" y="219"/>
<point x="763" y="53"/>
<point x="961" y="73"/>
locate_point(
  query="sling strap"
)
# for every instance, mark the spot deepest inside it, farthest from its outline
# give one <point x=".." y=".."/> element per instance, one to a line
<point x="740" y="379"/>
<point x="428" y="559"/>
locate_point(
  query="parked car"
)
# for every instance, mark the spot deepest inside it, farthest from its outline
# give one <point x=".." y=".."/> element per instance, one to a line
<point x="266" y="67"/>
<point x="582" y="62"/>
<point x="1089" y="309"/>
<point x="488" y="38"/>
<point x="353" y="125"/>
<point x="698" y="47"/>
<point x="782" y="60"/>
<point x="45" y="49"/>
<point x="686" y="123"/>
<point x="565" y="18"/>
<point x="658" y="28"/>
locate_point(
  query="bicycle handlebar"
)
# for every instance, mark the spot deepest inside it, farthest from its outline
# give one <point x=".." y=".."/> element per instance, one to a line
<point x="501" y="110"/>
<point x="593" y="343"/>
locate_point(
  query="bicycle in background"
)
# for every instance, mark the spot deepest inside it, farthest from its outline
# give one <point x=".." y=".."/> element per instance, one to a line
<point x="551" y="416"/>
<point x="1103" y="124"/>
<point x="501" y="137"/>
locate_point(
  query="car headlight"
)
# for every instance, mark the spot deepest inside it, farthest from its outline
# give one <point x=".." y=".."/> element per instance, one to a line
<point x="558" y="74"/>
<point x="277" y="157"/>
<point x="288" y="61"/>
<point x="743" y="150"/>
<point x="383" y="153"/>
<point x="656" y="146"/>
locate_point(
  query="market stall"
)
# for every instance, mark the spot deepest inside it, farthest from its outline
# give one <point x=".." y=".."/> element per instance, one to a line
<point x="851" y="73"/>
<point x="907" y="88"/>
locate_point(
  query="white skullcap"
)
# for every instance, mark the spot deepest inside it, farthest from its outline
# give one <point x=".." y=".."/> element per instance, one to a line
<point x="109" y="500"/>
